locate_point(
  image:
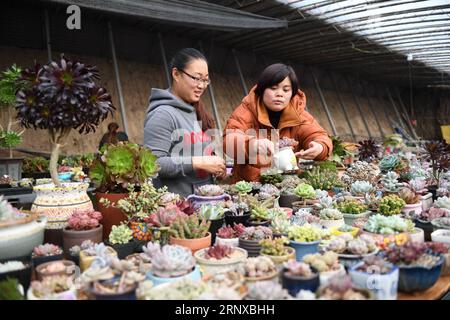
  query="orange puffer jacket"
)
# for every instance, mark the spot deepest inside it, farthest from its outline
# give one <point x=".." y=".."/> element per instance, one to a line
<point x="295" y="123"/>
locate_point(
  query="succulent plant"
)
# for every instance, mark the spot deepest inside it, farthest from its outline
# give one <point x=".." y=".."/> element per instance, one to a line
<point x="323" y="179"/>
<point x="257" y="267"/>
<point x="50" y="287"/>
<point x="243" y="187"/>
<point x="442" y="203"/>
<point x="391" y="205"/>
<point x="9" y="289"/>
<point x="239" y="208"/>
<point x="388" y="224"/>
<point x="7" y="211"/>
<point x="218" y="252"/>
<point x="287" y="142"/>
<point x="337" y="244"/>
<point x="267" y="290"/>
<point x="267" y="191"/>
<point x="340" y="288"/>
<point x="437" y="153"/>
<point x="361" y="171"/>
<point x="46" y="249"/>
<point x="327" y="261"/>
<point x="409" y="196"/>
<point x="274" y="247"/>
<point x="351" y="206"/>
<point x="357" y="246"/>
<point x="433" y="213"/>
<point x="84" y="220"/>
<point x="228" y="232"/>
<point x="288" y="184"/>
<point x="330" y="214"/>
<point x="361" y="187"/>
<point x="120" y="234"/>
<point x="369" y="150"/>
<point x="189" y="227"/>
<point x="412" y="253"/>
<point x="209" y="190"/>
<point x="271" y="176"/>
<point x="302" y="217"/>
<point x="259" y="214"/>
<point x="211" y="211"/>
<point x="299" y="269"/>
<point x="389" y="163"/>
<point x="170" y="260"/>
<point x="306" y="233"/>
<point x="375" y="264"/>
<point x="280" y="225"/>
<point x="121" y="164"/>
<point x="257" y="233"/>
<point x="305" y="191"/>
<point x="390" y="182"/>
<point x="164" y="217"/>
<point x="324" y="203"/>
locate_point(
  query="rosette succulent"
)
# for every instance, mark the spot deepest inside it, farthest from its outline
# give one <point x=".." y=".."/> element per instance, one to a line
<point x="330" y="214"/>
<point x="351" y="206"/>
<point x="391" y="205"/>
<point x="443" y="203"/>
<point x="209" y="190"/>
<point x="305" y="191"/>
<point x="388" y="225"/>
<point x="120" y="234"/>
<point x="306" y="233"/>
<point x="369" y="150"/>
<point x="360" y="188"/>
<point x="389" y="163"/>
<point x="243" y="187"/>
<point x="390" y="182"/>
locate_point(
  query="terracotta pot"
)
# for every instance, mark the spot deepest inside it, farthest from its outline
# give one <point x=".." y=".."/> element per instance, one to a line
<point x="76" y="237"/>
<point x="111" y="216"/>
<point x="69" y="268"/>
<point x="193" y="244"/>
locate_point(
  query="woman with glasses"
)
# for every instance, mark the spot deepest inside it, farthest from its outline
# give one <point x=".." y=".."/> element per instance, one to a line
<point x="273" y="109"/>
<point x="176" y="124"/>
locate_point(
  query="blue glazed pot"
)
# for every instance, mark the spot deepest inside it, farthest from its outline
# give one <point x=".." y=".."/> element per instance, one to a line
<point x="194" y="275"/>
<point x="65" y="176"/>
<point x="293" y="284"/>
<point x="304" y="248"/>
<point x="416" y="278"/>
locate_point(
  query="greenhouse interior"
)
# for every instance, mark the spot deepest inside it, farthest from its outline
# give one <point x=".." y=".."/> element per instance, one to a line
<point x="224" y="150"/>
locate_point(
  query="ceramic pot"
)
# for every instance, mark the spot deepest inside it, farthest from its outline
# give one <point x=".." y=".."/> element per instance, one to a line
<point x="327" y="275"/>
<point x="332" y="223"/>
<point x="287" y="200"/>
<point x="129" y="294"/>
<point x="193" y="244"/>
<point x="193" y="275"/>
<point x="231" y="219"/>
<point x="441" y="235"/>
<point x="293" y="284"/>
<point x="19" y="239"/>
<point x="38" y="260"/>
<point x="285" y="159"/>
<point x="76" y="237"/>
<point x="350" y="218"/>
<point x="417" y="235"/>
<point x="111" y="216"/>
<point x="418" y="278"/>
<point x="198" y="201"/>
<point x="416" y="208"/>
<point x="304" y="248"/>
<point x="58" y="203"/>
<point x="122" y="249"/>
<point x="251" y="246"/>
<point x="279" y="260"/>
<point x="232" y="242"/>
<point x="213" y="266"/>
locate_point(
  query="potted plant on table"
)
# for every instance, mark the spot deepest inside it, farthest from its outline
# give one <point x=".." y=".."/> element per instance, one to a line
<point x="251" y="237"/>
<point x="419" y="263"/>
<point x="121" y="240"/>
<point x="297" y="276"/>
<point x="386" y="229"/>
<point x="258" y="269"/>
<point x="259" y="216"/>
<point x="331" y="218"/>
<point x="391" y="205"/>
<point x="170" y="263"/>
<point x="305" y="192"/>
<point x="327" y="264"/>
<point x="287" y="187"/>
<point x="36" y="168"/>
<point x="437" y="154"/>
<point x="82" y="225"/>
<point x="229" y="235"/>
<point x="369" y="150"/>
<point x="266" y="290"/>
<point x="342" y="288"/>
<point x="377" y="275"/>
<point x="116" y="167"/>
<point x="190" y="232"/>
<point x="208" y="194"/>
<point x="220" y="258"/>
<point x="361" y="188"/>
<point x="238" y="213"/>
<point x="58" y="97"/>
<point x="59" y="287"/>
<point x="277" y="250"/>
<point x="353" y="209"/>
<point x="215" y="214"/>
<point x="45" y="253"/>
<point x="305" y="239"/>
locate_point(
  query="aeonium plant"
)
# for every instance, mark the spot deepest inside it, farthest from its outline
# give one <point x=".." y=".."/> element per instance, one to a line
<point x="61" y="96"/>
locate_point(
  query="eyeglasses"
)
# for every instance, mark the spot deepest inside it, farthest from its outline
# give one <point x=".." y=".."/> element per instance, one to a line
<point x="197" y="80"/>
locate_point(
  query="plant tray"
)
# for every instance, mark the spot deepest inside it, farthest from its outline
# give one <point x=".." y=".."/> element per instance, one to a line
<point x="15" y="191"/>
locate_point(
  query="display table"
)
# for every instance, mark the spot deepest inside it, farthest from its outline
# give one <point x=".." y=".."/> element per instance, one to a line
<point x="436" y="292"/>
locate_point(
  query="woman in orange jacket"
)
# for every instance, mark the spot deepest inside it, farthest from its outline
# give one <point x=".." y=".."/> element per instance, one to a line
<point x="273" y="109"/>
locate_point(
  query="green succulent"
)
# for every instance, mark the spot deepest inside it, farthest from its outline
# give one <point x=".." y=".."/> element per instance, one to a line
<point x="271" y="177"/>
<point x="148" y="166"/>
<point x="211" y="212"/>
<point x="306" y="233"/>
<point x="9" y="84"/>
<point x="391" y="205"/>
<point x="260" y="213"/>
<point x="323" y="179"/>
<point x="120" y="160"/>
<point x="36" y="164"/>
<point x="10" y="139"/>
<point x="274" y="247"/>
<point x="120" y="234"/>
<point x="351" y="206"/>
<point x="243" y="187"/>
<point x="189" y="227"/>
<point x="9" y="289"/>
<point x="305" y="191"/>
<point x="389" y="163"/>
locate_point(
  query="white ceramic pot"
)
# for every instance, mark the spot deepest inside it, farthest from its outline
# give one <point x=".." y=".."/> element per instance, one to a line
<point x="58" y="204"/>
<point x="332" y="223"/>
<point x="416" y="207"/>
<point x="441" y="235"/>
<point x="232" y="242"/>
<point x="20" y="239"/>
<point x="427" y="201"/>
<point x="285" y="159"/>
<point x="213" y="266"/>
<point x="383" y="286"/>
<point x="418" y="235"/>
<point x="326" y="276"/>
<point x="70" y="294"/>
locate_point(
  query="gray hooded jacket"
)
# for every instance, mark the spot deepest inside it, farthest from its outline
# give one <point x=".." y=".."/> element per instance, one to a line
<point x="172" y="132"/>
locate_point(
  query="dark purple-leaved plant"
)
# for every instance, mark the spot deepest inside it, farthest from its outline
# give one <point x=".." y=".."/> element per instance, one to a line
<point x="437" y="153"/>
<point x="61" y="96"/>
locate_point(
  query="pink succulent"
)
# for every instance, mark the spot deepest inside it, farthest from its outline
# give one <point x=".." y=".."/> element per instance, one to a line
<point x="84" y="220"/>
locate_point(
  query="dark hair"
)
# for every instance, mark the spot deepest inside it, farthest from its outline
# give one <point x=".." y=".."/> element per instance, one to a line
<point x="180" y="60"/>
<point x="111" y="135"/>
<point x="273" y="75"/>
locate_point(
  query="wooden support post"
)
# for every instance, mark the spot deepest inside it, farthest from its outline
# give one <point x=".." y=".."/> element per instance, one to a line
<point x="341" y="102"/>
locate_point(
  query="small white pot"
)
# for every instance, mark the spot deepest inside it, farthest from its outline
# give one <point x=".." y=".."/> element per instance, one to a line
<point x="427" y="201"/>
<point x="285" y="159"/>
<point x="417" y="235"/>
<point x="441" y="235"/>
<point x="326" y="276"/>
<point x="416" y="207"/>
<point x="332" y="223"/>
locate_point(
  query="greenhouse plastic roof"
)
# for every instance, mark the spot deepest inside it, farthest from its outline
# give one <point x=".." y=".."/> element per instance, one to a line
<point x="402" y="40"/>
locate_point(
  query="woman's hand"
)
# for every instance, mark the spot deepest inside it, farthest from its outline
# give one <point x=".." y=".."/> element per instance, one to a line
<point x="212" y="164"/>
<point x="312" y="152"/>
<point x="263" y="150"/>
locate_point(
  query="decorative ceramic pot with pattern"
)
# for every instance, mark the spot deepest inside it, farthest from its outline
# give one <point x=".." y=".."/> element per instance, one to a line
<point x="58" y="203"/>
